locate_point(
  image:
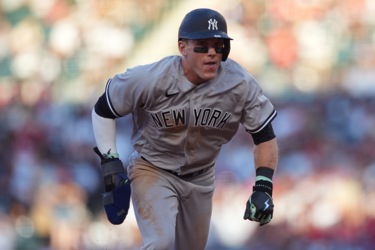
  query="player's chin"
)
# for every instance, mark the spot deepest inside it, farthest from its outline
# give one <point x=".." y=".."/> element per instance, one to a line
<point x="209" y="73"/>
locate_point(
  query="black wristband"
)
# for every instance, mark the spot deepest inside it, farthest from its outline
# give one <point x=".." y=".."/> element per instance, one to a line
<point x="265" y="171"/>
<point x="262" y="184"/>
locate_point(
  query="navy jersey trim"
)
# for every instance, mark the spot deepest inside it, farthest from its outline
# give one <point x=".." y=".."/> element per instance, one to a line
<point x="267" y="121"/>
<point x="104" y="108"/>
<point x="109" y="103"/>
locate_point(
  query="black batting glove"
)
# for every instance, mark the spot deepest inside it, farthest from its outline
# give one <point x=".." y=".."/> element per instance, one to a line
<point x="260" y="205"/>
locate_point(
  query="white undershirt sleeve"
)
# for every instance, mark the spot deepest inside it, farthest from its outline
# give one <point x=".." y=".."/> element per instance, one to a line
<point x="104" y="132"/>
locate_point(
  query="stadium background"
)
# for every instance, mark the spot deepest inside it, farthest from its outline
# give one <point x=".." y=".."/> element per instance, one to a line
<point x="315" y="59"/>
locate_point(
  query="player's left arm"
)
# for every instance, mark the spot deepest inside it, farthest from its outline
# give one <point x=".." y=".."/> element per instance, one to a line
<point x="258" y="115"/>
<point x="266" y="154"/>
<point x="259" y="207"/>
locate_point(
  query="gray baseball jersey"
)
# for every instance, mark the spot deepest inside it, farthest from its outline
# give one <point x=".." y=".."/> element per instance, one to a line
<point x="181" y="126"/>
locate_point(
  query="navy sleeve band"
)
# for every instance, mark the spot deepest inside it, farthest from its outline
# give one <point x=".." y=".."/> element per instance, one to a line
<point x="102" y="108"/>
<point x="264" y="135"/>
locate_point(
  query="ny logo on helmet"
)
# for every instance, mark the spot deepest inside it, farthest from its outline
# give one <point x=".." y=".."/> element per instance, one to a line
<point x="212" y="24"/>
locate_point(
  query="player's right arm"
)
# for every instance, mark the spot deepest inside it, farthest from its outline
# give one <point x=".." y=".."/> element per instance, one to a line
<point x="117" y="190"/>
<point x="123" y="94"/>
<point x="104" y="126"/>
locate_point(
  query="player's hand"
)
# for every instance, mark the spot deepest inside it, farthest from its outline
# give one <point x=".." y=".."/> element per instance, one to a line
<point x="112" y="170"/>
<point x="116" y="197"/>
<point x="259" y="208"/>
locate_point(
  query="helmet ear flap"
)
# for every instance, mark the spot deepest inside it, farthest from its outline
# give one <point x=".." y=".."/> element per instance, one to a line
<point x="226" y="49"/>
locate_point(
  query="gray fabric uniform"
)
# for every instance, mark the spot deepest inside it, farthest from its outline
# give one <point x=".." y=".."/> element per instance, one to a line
<point x="180" y="127"/>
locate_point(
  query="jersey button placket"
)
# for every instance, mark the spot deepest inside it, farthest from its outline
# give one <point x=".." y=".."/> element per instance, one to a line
<point x="193" y="129"/>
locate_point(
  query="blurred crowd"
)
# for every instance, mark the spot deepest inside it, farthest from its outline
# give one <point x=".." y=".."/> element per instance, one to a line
<point x="311" y="46"/>
<point x="315" y="59"/>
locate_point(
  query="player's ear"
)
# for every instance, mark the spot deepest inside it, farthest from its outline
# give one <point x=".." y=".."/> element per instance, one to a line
<point x="182" y="45"/>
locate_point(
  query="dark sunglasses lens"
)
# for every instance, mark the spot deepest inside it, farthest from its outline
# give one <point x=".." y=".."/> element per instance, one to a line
<point x="218" y="50"/>
<point x="200" y="49"/>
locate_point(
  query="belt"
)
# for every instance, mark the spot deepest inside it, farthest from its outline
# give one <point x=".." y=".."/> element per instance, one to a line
<point x="187" y="176"/>
<point x="182" y="176"/>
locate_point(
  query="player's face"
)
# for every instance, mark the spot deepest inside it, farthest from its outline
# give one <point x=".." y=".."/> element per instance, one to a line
<point x="201" y="58"/>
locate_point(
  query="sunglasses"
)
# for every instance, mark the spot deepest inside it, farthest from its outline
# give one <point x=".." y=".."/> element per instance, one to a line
<point x="202" y="49"/>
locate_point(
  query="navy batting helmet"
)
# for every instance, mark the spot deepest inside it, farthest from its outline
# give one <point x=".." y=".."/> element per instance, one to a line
<point x="203" y="24"/>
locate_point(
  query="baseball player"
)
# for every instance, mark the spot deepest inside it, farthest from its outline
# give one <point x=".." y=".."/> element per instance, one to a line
<point x="184" y="108"/>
